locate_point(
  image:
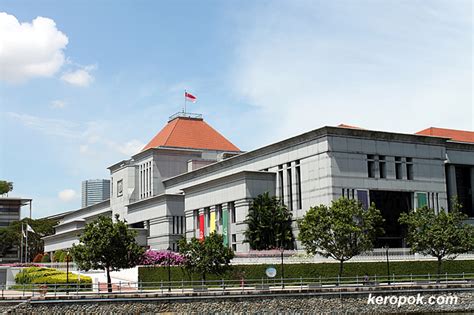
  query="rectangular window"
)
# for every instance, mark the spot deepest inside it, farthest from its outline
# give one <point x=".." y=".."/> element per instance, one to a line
<point x="208" y="216"/>
<point x="290" y="188"/>
<point x="280" y="184"/>
<point x="196" y="219"/>
<point x="382" y="167"/>
<point x="231" y="207"/>
<point x="421" y="200"/>
<point x="174" y="225"/>
<point x="299" y="202"/>
<point x="120" y="188"/>
<point x="363" y="198"/>
<point x="409" y="168"/>
<point x="370" y="166"/>
<point x="219" y="214"/>
<point x="398" y="167"/>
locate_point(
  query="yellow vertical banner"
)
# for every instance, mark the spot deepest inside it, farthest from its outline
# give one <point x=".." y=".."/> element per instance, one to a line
<point x="212" y="224"/>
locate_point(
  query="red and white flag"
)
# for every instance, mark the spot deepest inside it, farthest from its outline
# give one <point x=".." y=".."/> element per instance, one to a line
<point x="189" y="97"/>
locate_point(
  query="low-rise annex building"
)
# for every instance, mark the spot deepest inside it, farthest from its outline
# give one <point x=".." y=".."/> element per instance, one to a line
<point x="190" y="181"/>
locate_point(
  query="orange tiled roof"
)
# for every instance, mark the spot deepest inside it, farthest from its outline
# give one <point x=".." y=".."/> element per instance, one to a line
<point x="183" y="132"/>
<point x="456" y="135"/>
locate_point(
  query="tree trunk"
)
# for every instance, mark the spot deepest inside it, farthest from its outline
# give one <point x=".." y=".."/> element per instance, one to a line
<point x="439" y="267"/>
<point x="341" y="267"/>
<point x="109" y="281"/>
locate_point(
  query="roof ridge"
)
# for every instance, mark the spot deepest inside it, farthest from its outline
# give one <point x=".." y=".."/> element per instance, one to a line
<point x="171" y="132"/>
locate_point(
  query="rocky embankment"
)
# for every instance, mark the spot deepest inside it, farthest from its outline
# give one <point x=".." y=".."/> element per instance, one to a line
<point x="333" y="304"/>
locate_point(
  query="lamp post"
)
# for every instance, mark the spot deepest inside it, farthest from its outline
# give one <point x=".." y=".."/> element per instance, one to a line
<point x="169" y="269"/>
<point x="282" y="268"/>
<point x="388" y="264"/>
<point x="67" y="272"/>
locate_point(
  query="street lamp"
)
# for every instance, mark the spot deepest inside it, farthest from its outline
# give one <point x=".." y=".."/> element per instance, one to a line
<point x="169" y="269"/>
<point x="282" y="268"/>
<point x="388" y="264"/>
<point x="67" y="267"/>
<point x="67" y="272"/>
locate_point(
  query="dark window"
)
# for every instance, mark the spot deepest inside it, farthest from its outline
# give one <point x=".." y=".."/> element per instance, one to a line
<point x="398" y="167"/>
<point x="299" y="201"/>
<point x="207" y="211"/>
<point x="219" y="213"/>
<point x="382" y="167"/>
<point x="280" y="183"/>
<point x="409" y="168"/>
<point x="290" y="188"/>
<point x="370" y="166"/>
<point x="231" y="207"/>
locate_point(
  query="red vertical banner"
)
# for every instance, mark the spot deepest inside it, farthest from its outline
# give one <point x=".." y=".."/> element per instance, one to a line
<point x="201" y="227"/>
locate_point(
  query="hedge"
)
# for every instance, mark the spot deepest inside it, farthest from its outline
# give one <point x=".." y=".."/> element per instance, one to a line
<point x="312" y="270"/>
<point x="41" y="275"/>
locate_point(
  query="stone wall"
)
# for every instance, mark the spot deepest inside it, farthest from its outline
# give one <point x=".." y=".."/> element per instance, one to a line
<point x="334" y="304"/>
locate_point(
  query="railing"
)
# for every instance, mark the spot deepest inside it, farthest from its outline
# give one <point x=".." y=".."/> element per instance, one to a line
<point x="236" y="286"/>
<point x="186" y="115"/>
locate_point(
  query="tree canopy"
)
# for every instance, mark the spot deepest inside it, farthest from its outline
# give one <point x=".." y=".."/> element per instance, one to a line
<point x="269" y="224"/>
<point x="208" y="256"/>
<point x="5" y="187"/>
<point x="443" y="235"/>
<point x="107" y="245"/>
<point x="341" y="231"/>
<point x="10" y="236"/>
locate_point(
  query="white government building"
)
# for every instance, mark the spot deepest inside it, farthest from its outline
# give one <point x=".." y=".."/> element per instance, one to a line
<point x="189" y="180"/>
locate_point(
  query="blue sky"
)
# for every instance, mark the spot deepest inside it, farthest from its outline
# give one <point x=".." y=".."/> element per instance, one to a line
<point x="94" y="81"/>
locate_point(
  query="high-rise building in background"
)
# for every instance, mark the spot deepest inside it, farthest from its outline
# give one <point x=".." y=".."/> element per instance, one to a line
<point x="95" y="191"/>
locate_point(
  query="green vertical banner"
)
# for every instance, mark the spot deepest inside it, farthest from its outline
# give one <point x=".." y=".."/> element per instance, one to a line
<point x="421" y="200"/>
<point x="225" y="223"/>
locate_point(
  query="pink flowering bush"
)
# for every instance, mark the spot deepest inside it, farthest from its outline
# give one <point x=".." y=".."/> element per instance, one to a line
<point x="161" y="258"/>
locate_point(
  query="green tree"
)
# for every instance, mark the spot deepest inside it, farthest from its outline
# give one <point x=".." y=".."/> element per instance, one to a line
<point x="209" y="256"/>
<point x="107" y="245"/>
<point x="5" y="187"/>
<point x="269" y="224"/>
<point x="443" y="235"/>
<point x="341" y="231"/>
<point x="10" y="236"/>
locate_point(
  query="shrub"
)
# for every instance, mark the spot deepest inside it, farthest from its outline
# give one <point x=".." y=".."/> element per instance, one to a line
<point x="38" y="258"/>
<point x="45" y="259"/>
<point x="41" y="275"/>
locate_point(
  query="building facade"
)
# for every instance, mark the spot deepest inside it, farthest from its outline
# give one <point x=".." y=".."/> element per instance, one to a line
<point x="10" y="211"/>
<point x="95" y="191"/>
<point x="190" y="181"/>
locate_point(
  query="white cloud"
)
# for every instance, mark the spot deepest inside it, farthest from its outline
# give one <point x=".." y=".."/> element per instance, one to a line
<point x="92" y="137"/>
<point x="81" y="77"/>
<point x="29" y="50"/>
<point x="129" y="148"/>
<point x="67" y="195"/>
<point x="58" y="104"/>
<point x="401" y="66"/>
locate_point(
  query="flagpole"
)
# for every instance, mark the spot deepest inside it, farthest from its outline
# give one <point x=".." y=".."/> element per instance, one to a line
<point x="26" y="246"/>
<point x="184" y="101"/>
